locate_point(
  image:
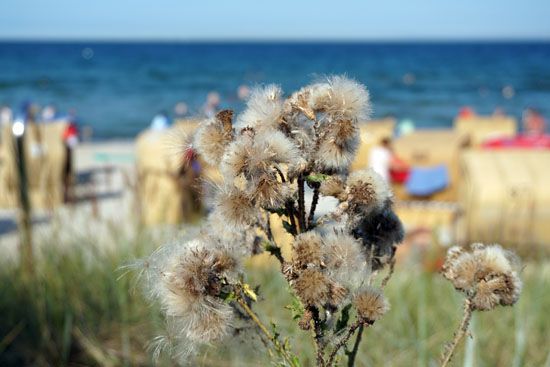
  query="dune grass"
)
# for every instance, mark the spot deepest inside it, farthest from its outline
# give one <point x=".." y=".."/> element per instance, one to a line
<point x="425" y="312"/>
<point x="79" y="310"/>
<point x="76" y="309"/>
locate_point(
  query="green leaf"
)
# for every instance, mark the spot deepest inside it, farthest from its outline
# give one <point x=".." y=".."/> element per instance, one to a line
<point x="296" y="361"/>
<point x="342" y="322"/>
<point x="228" y="297"/>
<point x="316" y="178"/>
<point x="296" y="308"/>
<point x="276" y="334"/>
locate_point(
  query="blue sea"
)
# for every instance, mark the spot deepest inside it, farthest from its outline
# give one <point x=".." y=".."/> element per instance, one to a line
<point x="116" y="88"/>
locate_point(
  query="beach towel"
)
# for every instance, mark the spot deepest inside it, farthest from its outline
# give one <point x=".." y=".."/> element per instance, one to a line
<point x="425" y="181"/>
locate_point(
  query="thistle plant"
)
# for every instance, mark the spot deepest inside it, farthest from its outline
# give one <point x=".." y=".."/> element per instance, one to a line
<point x="277" y="159"/>
<point x="487" y="276"/>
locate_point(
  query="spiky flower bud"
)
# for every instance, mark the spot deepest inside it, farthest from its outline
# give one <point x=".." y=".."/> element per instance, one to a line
<point x="371" y="304"/>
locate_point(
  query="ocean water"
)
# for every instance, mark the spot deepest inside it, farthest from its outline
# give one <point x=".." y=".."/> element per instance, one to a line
<point x="116" y="88"/>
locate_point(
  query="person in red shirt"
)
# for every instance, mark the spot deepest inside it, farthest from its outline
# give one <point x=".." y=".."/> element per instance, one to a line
<point x="70" y="138"/>
<point x="533" y="122"/>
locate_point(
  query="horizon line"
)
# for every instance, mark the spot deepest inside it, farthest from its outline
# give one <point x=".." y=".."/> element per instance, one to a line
<point x="277" y="40"/>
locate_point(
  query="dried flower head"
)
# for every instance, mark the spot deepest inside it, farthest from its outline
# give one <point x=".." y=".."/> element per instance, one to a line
<point x="190" y="286"/>
<point x="371" y="304"/>
<point x="487" y="274"/>
<point x="307" y="250"/>
<point x="236" y="207"/>
<point x="334" y="155"/>
<point x="334" y="186"/>
<point x="268" y="191"/>
<point x="213" y="136"/>
<point x="380" y="231"/>
<point x="264" y="108"/>
<point x="345" y="260"/>
<point x="345" y="99"/>
<point x="313" y="287"/>
<point x="255" y="153"/>
<point x="367" y="190"/>
<point x="236" y="158"/>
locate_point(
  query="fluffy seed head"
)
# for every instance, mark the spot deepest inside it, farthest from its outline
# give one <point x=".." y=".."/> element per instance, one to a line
<point x="236" y="158"/>
<point x="268" y="191"/>
<point x="344" y="99"/>
<point x="367" y="190"/>
<point x="487" y="273"/>
<point x="236" y="207"/>
<point x="332" y="156"/>
<point x="189" y="287"/>
<point x="264" y="108"/>
<point x="313" y="287"/>
<point x="254" y="154"/>
<point x="379" y="231"/>
<point x="197" y="274"/>
<point x="371" y="304"/>
<point x="307" y="250"/>
<point x="333" y="186"/>
<point x="345" y="260"/>
<point x="276" y="148"/>
<point x="213" y="136"/>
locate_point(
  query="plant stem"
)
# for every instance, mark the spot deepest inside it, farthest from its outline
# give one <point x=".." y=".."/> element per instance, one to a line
<point x="318" y="330"/>
<point x="461" y="331"/>
<point x="290" y="213"/>
<point x="314" y="202"/>
<point x="343" y="341"/>
<point x="301" y="203"/>
<point x="280" y="174"/>
<point x="389" y="275"/>
<point x="353" y="353"/>
<point x="280" y="348"/>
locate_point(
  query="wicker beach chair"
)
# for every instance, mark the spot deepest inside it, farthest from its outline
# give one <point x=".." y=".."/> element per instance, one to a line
<point x="166" y="188"/>
<point x="45" y="159"/>
<point x="479" y="129"/>
<point x="505" y="196"/>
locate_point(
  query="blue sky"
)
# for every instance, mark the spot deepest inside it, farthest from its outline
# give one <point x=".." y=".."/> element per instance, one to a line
<point x="275" y="19"/>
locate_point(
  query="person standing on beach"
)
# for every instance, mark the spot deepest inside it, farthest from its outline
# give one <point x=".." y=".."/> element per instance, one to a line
<point x="70" y="140"/>
<point x="180" y="110"/>
<point x="160" y="122"/>
<point x="387" y="164"/>
<point x="533" y="122"/>
<point x="6" y="115"/>
<point x="212" y="104"/>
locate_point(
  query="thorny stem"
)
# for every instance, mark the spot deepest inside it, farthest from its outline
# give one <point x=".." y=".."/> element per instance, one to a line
<point x="280" y="348"/>
<point x="290" y="213"/>
<point x="389" y="275"/>
<point x="344" y="340"/>
<point x="460" y="332"/>
<point x="314" y="202"/>
<point x="276" y="249"/>
<point x="301" y="204"/>
<point x="353" y="353"/>
<point x="318" y="330"/>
